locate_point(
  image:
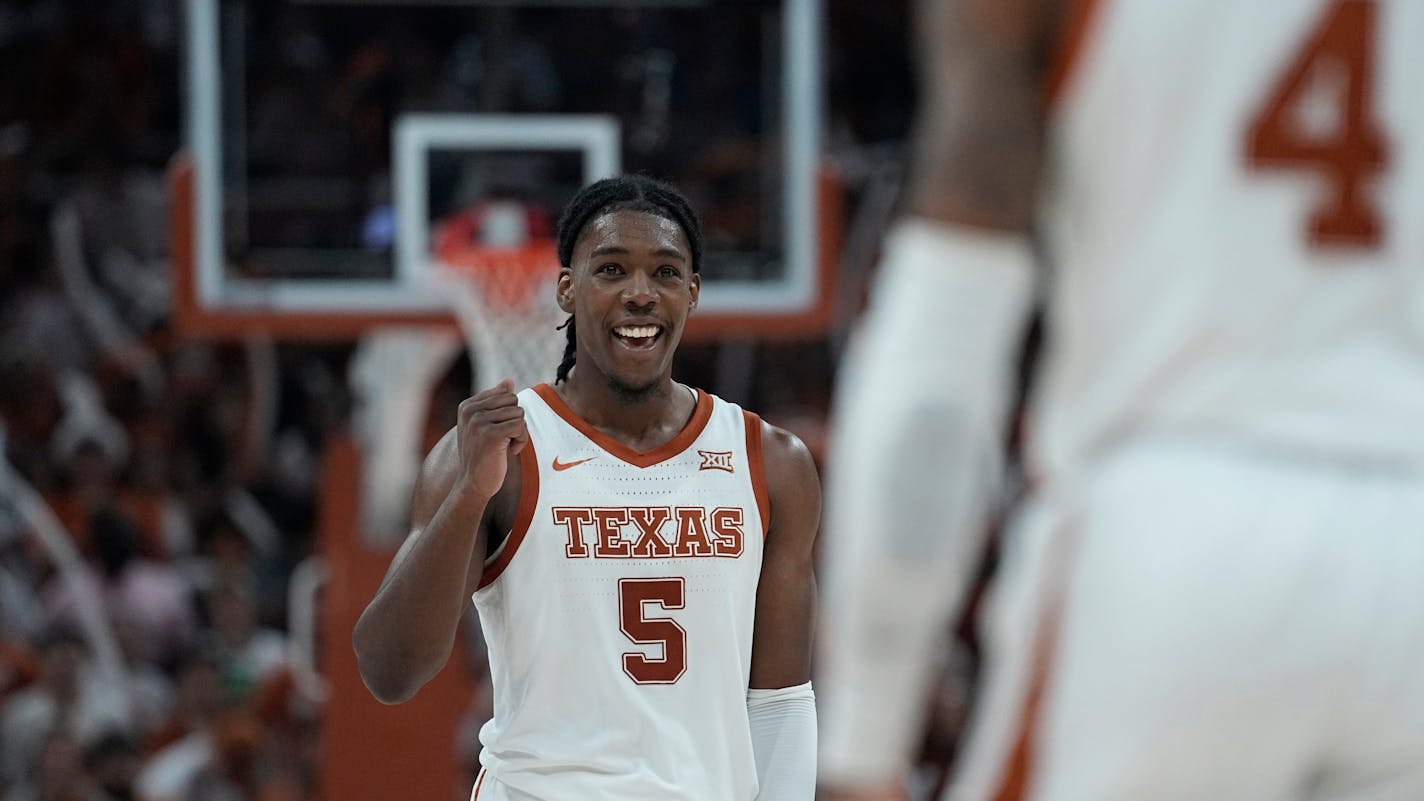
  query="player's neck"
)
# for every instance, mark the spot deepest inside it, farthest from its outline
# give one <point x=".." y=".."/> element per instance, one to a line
<point x="640" y="419"/>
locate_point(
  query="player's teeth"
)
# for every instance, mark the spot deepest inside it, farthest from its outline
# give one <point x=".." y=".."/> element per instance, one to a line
<point x="637" y="331"/>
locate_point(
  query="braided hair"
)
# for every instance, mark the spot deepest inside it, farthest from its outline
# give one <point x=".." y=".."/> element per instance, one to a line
<point x="624" y="193"/>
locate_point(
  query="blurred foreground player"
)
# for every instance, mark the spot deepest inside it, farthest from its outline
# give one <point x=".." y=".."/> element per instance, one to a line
<point x="1215" y="589"/>
<point x="640" y="552"/>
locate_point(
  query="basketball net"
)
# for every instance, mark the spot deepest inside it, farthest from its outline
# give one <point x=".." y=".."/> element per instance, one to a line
<point x="504" y="300"/>
<point x="392" y="375"/>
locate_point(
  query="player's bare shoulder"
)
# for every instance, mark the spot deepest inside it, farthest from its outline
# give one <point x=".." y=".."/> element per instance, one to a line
<point x="793" y="484"/>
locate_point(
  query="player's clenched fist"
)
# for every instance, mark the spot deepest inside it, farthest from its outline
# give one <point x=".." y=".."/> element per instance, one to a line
<point x="491" y="427"/>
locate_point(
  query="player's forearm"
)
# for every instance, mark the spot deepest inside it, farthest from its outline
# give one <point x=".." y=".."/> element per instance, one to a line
<point x="897" y="586"/>
<point x="877" y="671"/>
<point x="407" y="632"/>
<point x="923" y="404"/>
<point x="978" y="135"/>
<point x="783" y="733"/>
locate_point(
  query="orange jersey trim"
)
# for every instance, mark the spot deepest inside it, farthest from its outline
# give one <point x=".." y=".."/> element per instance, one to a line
<point x="1078" y="23"/>
<point x="758" y="468"/>
<point x="688" y="435"/>
<point x="475" y="794"/>
<point x="1014" y="785"/>
<point x="523" y="516"/>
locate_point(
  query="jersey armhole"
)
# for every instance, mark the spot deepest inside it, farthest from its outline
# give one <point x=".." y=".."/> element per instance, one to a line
<point x="1077" y="28"/>
<point x="523" y="517"/>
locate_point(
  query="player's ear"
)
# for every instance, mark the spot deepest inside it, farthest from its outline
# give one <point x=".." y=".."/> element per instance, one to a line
<point x="694" y="286"/>
<point x="565" y="291"/>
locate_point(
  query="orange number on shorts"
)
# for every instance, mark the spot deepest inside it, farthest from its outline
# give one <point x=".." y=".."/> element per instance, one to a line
<point x="1336" y="59"/>
<point x="667" y="593"/>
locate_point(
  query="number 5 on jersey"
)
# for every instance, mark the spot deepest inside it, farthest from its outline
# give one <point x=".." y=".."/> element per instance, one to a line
<point x="633" y="597"/>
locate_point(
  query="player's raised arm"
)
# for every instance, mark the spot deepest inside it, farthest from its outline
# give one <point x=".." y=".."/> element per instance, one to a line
<point x="780" y="703"/>
<point x="924" y="393"/>
<point x="407" y="632"/>
<point x="977" y="139"/>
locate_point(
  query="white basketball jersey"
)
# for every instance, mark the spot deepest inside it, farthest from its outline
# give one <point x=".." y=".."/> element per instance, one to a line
<point x="619" y="611"/>
<point x="1235" y="224"/>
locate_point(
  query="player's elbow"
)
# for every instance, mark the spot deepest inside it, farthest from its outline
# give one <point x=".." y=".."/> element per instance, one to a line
<point x="387" y="691"/>
<point x="392" y="695"/>
<point x="388" y="683"/>
<point x="390" y="679"/>
<point x="382" y="683"/>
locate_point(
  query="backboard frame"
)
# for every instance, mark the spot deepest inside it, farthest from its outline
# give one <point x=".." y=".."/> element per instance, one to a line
<point x="596" y="137"/>
<point x="211" y="301"/>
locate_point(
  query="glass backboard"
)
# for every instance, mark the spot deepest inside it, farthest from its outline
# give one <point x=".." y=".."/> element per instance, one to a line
<point x="327" y="141"/>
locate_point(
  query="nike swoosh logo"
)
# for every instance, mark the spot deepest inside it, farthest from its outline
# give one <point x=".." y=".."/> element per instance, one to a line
<point x="558" y="465"/>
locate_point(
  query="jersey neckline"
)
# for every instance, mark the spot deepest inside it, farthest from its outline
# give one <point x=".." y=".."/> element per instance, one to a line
<point x="679" y="443"/>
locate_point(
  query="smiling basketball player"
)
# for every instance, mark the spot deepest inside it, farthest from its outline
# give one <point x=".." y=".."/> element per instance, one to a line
<point x="639" y="551"/>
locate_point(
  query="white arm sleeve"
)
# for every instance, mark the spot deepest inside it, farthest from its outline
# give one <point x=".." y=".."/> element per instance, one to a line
<point x="783" y="725"/>
<point x="917" y="462"/>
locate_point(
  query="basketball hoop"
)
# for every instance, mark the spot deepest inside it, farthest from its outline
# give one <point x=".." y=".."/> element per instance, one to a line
<point x="504" y="301"/>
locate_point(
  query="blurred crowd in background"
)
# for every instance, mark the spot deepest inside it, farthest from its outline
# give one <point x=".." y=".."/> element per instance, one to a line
<point x="158" y="491"/>
<point x="182" y="497"/>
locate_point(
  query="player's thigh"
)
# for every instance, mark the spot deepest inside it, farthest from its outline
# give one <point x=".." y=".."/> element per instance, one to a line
<point x="1177" y="659"/>
<point x="1401" y="782"/>
<point x="1180" y="626"/>
<point x="1165" y="680"/>
<point x="1016" y="619"/>
<point x="1376" y="752"/>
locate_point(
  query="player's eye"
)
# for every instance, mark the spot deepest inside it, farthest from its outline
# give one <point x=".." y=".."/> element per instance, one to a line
<point x="610" y="268"/>
<point x="667" y="271"/>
